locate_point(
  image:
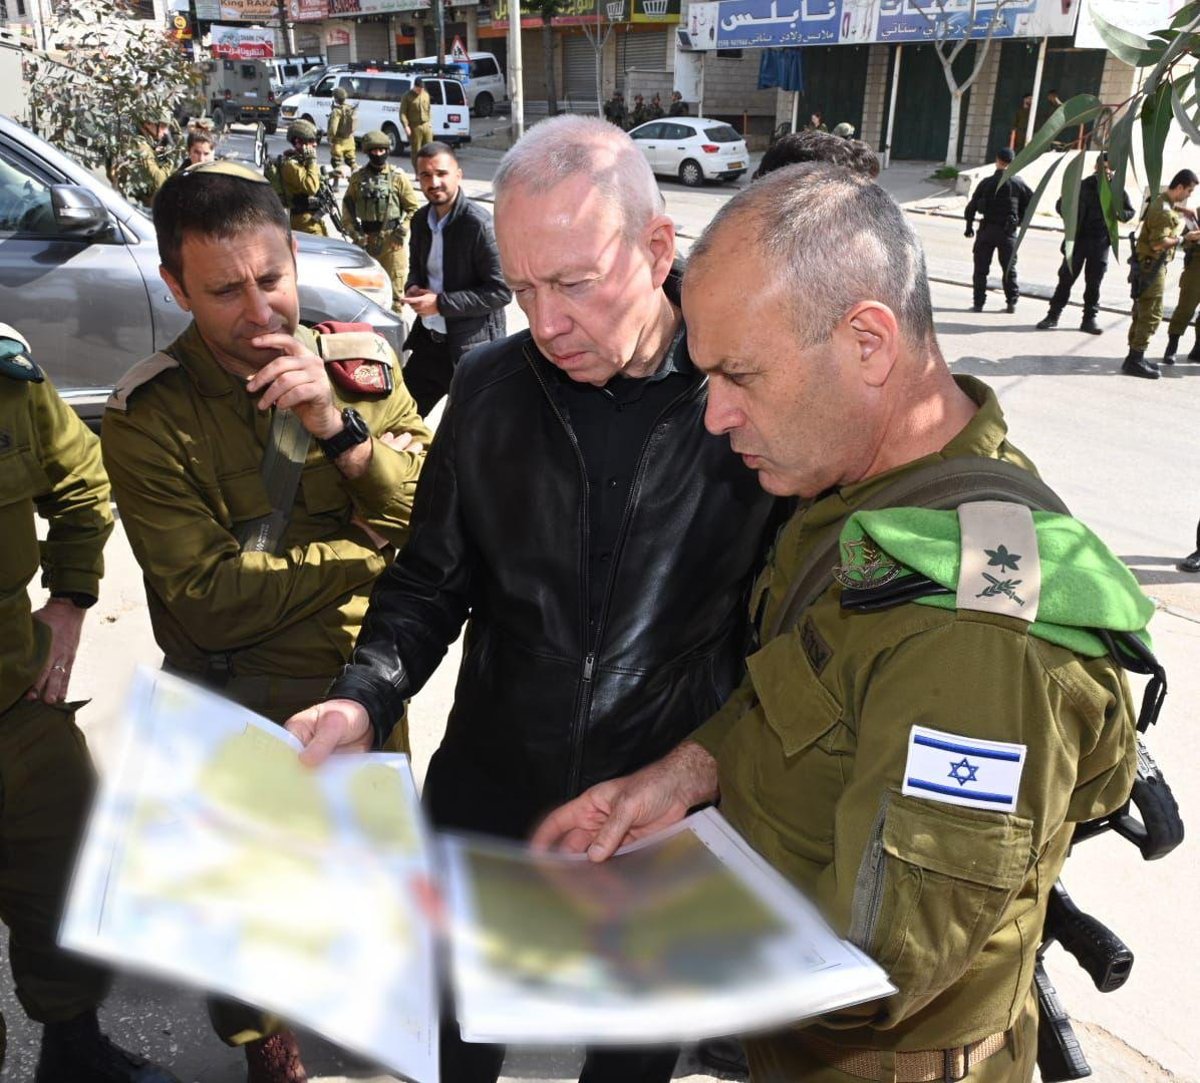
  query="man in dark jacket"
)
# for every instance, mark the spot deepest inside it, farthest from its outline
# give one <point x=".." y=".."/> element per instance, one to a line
<point x="454" y="282"/>
<point x="574" y="510"/>
<point x="1002" y="208"/>
<point x="1090" y="253"/>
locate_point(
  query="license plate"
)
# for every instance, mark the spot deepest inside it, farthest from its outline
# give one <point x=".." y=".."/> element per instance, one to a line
<point x="251" y="93"/>
<point x="455" y="118"/>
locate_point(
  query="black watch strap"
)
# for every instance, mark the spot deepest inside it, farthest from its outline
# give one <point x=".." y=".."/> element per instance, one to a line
<point x="354" y="432"/>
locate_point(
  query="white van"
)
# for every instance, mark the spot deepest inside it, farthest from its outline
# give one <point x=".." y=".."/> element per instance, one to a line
<point x="285" y="70"/>
<point x="484" y="81"/>
<point x="377" y="95"/>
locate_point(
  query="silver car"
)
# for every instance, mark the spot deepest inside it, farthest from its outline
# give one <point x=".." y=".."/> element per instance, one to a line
<point x="79" y="274"/>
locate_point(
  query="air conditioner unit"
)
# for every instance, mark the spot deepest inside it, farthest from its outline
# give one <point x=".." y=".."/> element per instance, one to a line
<point x="655" y="7"/>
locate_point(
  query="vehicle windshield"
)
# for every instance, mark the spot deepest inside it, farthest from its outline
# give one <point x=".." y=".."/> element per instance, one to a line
<point x="722" y="133"/>
<point x="307" y="80"/>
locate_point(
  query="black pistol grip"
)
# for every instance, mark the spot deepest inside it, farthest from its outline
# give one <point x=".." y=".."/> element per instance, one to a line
<point x="1160" y="829"/>
<point x="1059" y="1055"/>
<point x="1096" y="948"/>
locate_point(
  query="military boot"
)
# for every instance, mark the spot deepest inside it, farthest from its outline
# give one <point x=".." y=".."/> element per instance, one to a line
<point x="1048" y="322"/>
<point x="1171" y="350"/>
<point x="1089" y="324"/>
<point x="1137" y="365"/>
<point x="1195" y="354"/>
<point x="78" y="1052"/>
<point x="275" y="1060"/>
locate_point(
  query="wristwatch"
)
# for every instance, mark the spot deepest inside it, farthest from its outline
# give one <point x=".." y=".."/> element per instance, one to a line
<point x="354" y="432"/>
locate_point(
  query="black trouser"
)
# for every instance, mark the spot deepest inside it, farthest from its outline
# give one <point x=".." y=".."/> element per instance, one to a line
<point x="430" y="367"/>
<point x="462" y="795"/>
<point x="995" y="239"/>
<point x="1091" y="257"/>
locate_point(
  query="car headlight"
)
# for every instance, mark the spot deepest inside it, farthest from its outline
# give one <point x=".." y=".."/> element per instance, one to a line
<point x="372" y="282"/>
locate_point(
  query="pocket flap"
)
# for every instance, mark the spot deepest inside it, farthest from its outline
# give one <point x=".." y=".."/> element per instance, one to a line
<point x="798" y="707"/>
<point x="323" y="489"/>
<point x="245" y="496"/>
<point x="959" y="842"/>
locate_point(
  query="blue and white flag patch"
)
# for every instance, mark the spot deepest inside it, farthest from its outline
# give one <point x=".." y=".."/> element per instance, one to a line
<point x="963" y="770"/>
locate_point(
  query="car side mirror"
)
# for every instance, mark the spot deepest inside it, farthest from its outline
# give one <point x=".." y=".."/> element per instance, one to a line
<point x="78" y="212"/>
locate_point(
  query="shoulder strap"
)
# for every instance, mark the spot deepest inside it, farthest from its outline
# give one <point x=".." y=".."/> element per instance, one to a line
<point x="141" y="373"/>
<point x="283" y="460"/>
<point x="946" y="483"/>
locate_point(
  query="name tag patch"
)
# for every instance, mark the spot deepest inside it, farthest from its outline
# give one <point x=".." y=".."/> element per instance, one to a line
<point x="963" y="771"/>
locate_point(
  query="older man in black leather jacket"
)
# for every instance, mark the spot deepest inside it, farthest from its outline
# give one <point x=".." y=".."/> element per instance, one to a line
<point x="575" y="512"/>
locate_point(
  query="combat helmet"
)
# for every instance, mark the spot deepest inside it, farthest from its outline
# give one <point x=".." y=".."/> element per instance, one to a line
<point x="304" y="130"/>
<point x="845" y="130"/>
<point x="154" y="114"/>
<point x="376" y="141"/>
<point x="339" y="94"/>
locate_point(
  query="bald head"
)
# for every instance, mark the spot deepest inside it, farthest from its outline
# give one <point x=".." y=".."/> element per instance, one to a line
<point x="565" y="147"/>
<point x="829" y="239"/>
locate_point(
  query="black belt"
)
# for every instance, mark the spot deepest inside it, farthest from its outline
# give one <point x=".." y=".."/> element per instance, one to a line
<point x="381" y="227"/>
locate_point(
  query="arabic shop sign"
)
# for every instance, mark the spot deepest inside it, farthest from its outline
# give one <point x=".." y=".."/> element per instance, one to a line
<point x="750" y="24"/>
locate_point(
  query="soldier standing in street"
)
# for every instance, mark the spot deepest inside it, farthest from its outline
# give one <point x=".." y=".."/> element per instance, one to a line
<point x="297" y="179"/>
<point x="1189" y="300"/>
<point x="1002" y="208"/>
<point x="153" y="159"/>
<point x="342" y="119"/>
<point x="1156" y="243"/>
<point x="51" y="467"/>
<point x="265" y="477"/>
<point x="614" y="109"/>
<point x="378" y="205"/>
<point x="416" y="114"/>
<point x="641" y="113"/>
<point x="679" y="108"/>
<point x="656" y="108"/>
<point x="1090" y="254"/>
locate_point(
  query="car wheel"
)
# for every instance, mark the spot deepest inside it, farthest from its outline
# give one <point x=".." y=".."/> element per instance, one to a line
<point x="484" y="105"/>
<point x="690" y="173"/>
<point x="394" y="139"/>
<point x="218" y="119"/>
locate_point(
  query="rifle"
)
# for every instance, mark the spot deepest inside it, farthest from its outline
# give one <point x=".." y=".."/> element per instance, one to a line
<point x="260" y="145"/>
<point x="1093" y="945"/>
<point x="327" y="202"/>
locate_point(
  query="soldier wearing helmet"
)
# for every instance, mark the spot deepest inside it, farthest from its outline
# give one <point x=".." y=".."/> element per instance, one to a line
<point x="342" y="120"/>
<point x="296" y="177"/>
<point x="151" y="158"/>
<point x="378" y="205"/>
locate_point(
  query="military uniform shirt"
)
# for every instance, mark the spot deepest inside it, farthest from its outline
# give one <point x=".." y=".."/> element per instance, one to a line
<point x="416" y="108"/>
<point x="184" y="450"/>
<point x="949" y="900"/>
<point x="1161" y="222"/>
<point x="49" y="466"/>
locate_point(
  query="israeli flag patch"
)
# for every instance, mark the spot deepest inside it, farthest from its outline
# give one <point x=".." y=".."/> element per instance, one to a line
<point x="963" y="770"/>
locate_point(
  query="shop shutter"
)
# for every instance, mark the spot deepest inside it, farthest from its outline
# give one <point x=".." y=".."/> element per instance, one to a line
<point x="579" y="68"/>
<point x="337" y="54"/>
<point x="372" y="40"/>
<point x="645" y="51"/>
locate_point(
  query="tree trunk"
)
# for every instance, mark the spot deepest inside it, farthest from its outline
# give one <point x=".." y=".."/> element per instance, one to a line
<point x="955" y="113"/>
<point x="548" y="55"/>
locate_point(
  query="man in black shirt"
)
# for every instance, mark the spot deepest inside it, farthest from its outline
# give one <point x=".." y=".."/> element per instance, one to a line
<point x="1002" y="208"/>
<point x="577" y="515"/>
<point x="1090" y="253"/>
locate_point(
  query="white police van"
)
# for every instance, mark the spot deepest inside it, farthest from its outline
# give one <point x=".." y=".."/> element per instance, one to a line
<point x="483" y="78"/>
<point x="376" y="90"/>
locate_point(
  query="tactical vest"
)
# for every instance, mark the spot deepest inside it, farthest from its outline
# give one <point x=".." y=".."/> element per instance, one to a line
<point x="377" y="199"/>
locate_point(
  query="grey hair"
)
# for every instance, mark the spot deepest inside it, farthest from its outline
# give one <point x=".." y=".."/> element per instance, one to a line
<point x="565" y="146"/>
<point x="830" y="238"/>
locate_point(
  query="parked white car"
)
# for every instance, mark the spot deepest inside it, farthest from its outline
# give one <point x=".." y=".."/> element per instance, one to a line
<point x="694" y="149"/>
<point x="482" y="77"/>
<point x="377" y="95"/>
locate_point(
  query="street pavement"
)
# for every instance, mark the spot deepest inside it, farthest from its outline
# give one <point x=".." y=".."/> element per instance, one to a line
<point x="1118" y="450"/>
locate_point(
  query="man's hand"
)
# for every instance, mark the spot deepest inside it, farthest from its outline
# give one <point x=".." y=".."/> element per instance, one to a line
<point x="296" y="380"/>
<point x="970" y="230"/>
<point x="65" y="621"/>
<point x="613" y="814"/>
<point x="422" y="301"/>
<point x="402" y="441"/>
<point x="336" y="725"/>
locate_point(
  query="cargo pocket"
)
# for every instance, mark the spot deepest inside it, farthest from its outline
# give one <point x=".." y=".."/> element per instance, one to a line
<point x="324" y="493"/>
<point x="806" y="719"/>
<point x="932" y="886"/>
<point x="245" y="496"/>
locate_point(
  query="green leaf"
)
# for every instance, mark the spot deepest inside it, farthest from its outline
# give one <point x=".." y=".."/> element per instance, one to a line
<point x="1038" y="192"/>
<point x="1184" y="121"/>
<point x="1133" y="49"/>
<point x="1077" y="110"/>
<point x="1185" y="15"/>
<point x="1156" y="124"/>
<point x="1120" y="148"/>
<point x="1072" y="178"/>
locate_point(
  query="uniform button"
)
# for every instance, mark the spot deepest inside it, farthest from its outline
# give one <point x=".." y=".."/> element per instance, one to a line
<point x="612" y="483"/>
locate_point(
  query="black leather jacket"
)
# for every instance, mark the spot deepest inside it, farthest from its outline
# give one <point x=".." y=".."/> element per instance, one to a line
<point x="499" y="538"/>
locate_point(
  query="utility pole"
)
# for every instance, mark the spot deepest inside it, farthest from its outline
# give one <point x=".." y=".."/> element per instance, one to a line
<point x="516" y="85"/>
<point x="439" y="30"/>
<point x="286" y="29"/>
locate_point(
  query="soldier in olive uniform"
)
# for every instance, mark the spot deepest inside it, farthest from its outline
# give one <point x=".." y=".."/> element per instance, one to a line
<point x="641" y="112"/>
<point x="342" y="121"/>
<point x="257" y="576"/>
<point x="1156" y="244"/>
<point x="153" y="157"/>
<point x="416" y="114"/>
<point x="1189" y="299"/>
<point x="49" y="466"/>
<point x="656" y="108"/>
<point x="614" y="109"/>
<point x="679" y="108"/>
<point x="299" y="179"/>
<point x="378" y="205"/>
<point x="862" y="753"/>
